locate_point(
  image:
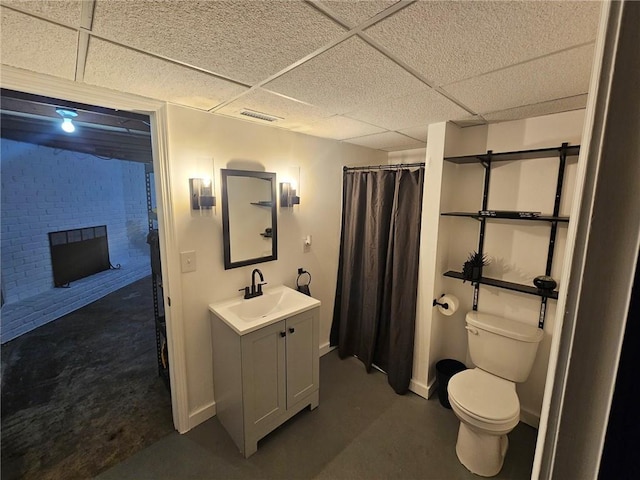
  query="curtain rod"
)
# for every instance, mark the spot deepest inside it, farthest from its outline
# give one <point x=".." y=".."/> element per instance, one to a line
<point x="383" y="167"/>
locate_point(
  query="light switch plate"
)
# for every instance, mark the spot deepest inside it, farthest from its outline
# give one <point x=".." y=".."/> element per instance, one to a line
<point x="188" y="261"/>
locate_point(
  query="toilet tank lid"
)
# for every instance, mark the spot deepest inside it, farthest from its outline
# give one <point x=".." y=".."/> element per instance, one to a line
<point x="505" y="327"/>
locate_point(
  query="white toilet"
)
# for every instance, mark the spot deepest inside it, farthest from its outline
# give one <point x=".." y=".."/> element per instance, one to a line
<point x="484" y="398"/>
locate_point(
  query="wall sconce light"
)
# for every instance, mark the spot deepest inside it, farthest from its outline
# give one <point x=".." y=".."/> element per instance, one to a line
<point x="67" y="119"/>
<point x="201" y="190"/>
<point x="288" y="197"/>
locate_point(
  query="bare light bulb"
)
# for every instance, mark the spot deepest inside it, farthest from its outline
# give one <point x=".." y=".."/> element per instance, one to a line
<point x="67" y="119"/>
<point x="68" y="126"/>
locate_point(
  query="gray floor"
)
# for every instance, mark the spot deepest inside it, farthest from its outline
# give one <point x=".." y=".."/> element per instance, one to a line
<point x="361" y="430"/>
<point x="74" y="402"/>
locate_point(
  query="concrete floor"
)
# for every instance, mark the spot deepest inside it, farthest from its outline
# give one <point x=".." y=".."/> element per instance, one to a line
<point x="361" y="430"/>
<point x="82" y="393"/>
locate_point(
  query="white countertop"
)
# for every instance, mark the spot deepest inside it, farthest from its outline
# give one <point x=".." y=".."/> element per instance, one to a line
<point x="275" y="304"/>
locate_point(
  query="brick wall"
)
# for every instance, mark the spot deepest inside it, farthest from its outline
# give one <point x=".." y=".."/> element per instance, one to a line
<point x="45" y="190"/>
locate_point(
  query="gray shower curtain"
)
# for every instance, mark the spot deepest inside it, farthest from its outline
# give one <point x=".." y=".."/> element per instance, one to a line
<point x="375" y="304"/>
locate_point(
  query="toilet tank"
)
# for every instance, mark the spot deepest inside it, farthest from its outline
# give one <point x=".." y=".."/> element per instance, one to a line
<point x="503" y="347"/>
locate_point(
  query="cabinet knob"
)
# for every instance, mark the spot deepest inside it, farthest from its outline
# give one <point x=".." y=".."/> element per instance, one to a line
<point x="291" y="329"/>
<point x="283" y="334"/>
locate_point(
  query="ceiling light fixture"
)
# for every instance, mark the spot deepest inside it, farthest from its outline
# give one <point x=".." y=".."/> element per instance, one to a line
<point x="67" y="119"/>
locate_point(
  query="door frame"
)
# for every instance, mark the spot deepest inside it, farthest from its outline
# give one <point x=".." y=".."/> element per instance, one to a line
<point x="39" y="84"/>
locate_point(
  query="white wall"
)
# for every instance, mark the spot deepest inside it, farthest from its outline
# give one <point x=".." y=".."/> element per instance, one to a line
<point x="194" y="135"/>
<point x="517" y="251"/>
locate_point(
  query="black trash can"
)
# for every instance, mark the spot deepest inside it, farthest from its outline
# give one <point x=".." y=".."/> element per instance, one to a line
<point x="445" y="369"/>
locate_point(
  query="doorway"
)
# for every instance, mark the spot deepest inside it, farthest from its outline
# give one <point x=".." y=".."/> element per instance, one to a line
<point x="107" y="176"/>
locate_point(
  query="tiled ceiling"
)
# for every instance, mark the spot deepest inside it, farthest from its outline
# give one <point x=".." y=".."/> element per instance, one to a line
<point x="368" y="72"/>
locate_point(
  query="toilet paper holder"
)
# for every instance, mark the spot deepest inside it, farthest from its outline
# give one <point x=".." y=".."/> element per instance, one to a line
<point x="443" y="305"/>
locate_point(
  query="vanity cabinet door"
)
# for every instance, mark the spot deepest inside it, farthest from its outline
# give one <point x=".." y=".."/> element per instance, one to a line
<point x="263" y="382"/>
<point x="302" y="356"/>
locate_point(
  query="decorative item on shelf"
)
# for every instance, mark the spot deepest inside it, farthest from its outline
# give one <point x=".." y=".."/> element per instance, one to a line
<point x="472" y="268"/>
<point x="268" y="233"/>
<point x="201" y="190"/>
<point x="545" y="284"/>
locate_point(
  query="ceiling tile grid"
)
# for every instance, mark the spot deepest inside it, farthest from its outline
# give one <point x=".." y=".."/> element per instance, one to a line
<point x="419" y="133"/>
<point x="452" y="40"/>
<point x="64" y="11"/>
<point x="339" y="128"/>
<point x="246" y="41"/>
<point x="420" y="107"/>
<point x="344" y="77"/>
<point x="297" y="60"/>
<point x="293" y="114"/>
<point x="119" y="68"/>
<point x="561" y="75"/>
<point x="355" y="12"/>
<point x="23" y="47"/>
<point x="389" y="141"/>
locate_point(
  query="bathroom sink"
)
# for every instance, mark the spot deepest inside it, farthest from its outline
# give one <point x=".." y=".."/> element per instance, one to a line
<point x="273" y="305"/>
<point x="258" y="307"/>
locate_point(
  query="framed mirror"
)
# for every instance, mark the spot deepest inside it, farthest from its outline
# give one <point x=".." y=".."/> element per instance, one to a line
<point x="249" y="217"/>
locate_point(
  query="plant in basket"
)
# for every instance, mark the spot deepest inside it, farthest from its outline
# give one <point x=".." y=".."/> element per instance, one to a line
<point x="472" y="268"/>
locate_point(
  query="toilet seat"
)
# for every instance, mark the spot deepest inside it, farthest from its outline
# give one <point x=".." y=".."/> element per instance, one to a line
<point x="484" y="400"/>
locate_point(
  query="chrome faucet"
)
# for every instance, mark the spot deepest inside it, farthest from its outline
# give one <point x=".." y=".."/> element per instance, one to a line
<point x="256" y="289"/>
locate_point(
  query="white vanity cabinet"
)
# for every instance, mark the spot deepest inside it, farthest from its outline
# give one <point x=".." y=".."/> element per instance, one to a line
<point x="264" y="377"/>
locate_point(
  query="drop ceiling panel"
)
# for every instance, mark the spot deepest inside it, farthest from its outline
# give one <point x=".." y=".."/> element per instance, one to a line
<point x="538" y="109"/>
<point x="339" y="128"/>
<point x="244" y="41"/>
<point x="564" y="74"/>
<point x="356" y="12"/>
<point x="389" y="141"/>
<point x="418" y="133"/>
<point x="118" y="68"/>
<point x="293" y="114"/>
<point x="38" y="45"/>
<point x="449" y="41"/>
<point x="64" y="11"/>
<point x="344" y="77"/>
<point x="421" y="107"/>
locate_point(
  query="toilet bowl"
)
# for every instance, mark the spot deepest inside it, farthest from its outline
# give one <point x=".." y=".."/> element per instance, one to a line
<point x="484" y="398"/>
<point x="488" y="409"/>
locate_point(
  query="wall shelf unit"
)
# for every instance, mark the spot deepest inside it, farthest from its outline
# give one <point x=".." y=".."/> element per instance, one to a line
<point x="494" y="282"/>
<point x="486" y="160"/>
<point x="569" y="150"/>
<point x="539" y="218"/>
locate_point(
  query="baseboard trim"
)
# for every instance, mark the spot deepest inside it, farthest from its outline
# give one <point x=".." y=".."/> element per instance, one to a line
<point x="201" y="415"/>
<point x="432" y="387"/>
<point x="419" y="388"/>
<point x="530" y="418"/>
<point x="326" y="348"/>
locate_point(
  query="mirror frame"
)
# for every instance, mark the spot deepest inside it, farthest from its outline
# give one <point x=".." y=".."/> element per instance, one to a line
<point x="228" y="264"/>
